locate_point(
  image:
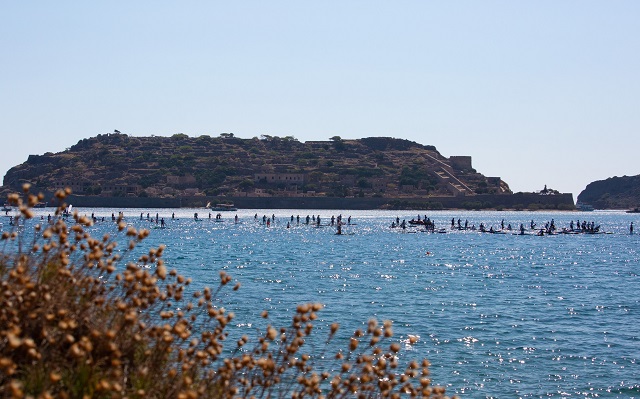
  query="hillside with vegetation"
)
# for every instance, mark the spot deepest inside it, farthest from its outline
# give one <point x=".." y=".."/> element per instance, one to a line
<point x="121" y="165"/>
<point x="612" y="193"/>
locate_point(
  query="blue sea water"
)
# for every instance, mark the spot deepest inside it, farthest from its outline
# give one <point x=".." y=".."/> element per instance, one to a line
<point x="498" y="316"/>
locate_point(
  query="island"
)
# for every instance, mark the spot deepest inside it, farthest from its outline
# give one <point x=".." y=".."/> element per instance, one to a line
<point x="612" y="193"/>
<point x="118" y="170"/>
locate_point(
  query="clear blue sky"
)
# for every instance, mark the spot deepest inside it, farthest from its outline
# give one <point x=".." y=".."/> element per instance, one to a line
<point x="538" y="92"/>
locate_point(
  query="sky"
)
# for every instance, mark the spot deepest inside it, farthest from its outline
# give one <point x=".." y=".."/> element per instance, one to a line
<point x="537" y="92"/>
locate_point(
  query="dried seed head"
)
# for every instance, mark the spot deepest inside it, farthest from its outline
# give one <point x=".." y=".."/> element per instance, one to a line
<point x="54" y="377"/>
<point x="161" y="271"/>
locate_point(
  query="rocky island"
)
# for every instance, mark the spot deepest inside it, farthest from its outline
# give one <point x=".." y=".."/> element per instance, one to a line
<point x="612" y="193"/>
<point x="376" y="172"/>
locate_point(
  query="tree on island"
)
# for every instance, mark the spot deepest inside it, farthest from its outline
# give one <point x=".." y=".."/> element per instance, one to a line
<point x="338" y="143"/>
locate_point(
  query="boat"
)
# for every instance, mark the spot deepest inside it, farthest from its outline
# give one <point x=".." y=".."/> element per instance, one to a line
<point x="634" y="210"/>
<point x="584" y="207"/>
<point x="224" y="207"/>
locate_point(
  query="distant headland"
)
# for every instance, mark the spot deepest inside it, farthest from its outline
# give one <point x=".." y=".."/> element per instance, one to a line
<point x="277" y="172"/>
<point x="612" y="193"/>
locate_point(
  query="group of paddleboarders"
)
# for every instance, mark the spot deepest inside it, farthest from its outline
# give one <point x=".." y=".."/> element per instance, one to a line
<point x="586" y="227"/>
<point x="309" y="220"/>
<point x="428" y="224"/>
<point x="218" y="216"/>
<point x="94" y="218"/>
<point x="549" y="228"/>
<point x="158" y="220"/>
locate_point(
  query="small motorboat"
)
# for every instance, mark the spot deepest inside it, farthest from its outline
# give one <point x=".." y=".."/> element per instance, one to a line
<point x="224" y="207"/>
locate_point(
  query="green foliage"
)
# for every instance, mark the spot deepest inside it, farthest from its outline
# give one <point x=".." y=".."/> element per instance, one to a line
<point x="310" y="187"/>
<point x="111" y="159"/>
<point x="207" y="179"/>
<point x="204" y="138"/>
<point x="369" y="172"/>
<point x="413" y="205"/>
<point x="246" y="184"/>
<point x="338" y="190"/>
<point x="363" y="183"/>
<point x="338" y="143"/>
<point x="417" y="176"/>
<point x="179" y="137"/>
<point x="95" y="190"/>
<point x="476" y="205"/>
<point x="150" y="179"/>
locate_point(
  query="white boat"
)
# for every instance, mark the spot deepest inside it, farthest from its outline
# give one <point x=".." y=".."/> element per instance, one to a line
<point x="224" y="207"/>
<point x="584" y="207"/>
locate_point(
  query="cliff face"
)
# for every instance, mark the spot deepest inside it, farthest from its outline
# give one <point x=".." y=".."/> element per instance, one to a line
<point x="612" y="193"/>
<point x="121" y="165"/>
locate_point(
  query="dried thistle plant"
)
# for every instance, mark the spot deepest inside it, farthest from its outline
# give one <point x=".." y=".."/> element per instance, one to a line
<point x="77" y="320"/>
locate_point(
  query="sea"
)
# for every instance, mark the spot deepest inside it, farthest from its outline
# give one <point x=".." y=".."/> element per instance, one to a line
<point x="497" y="315"/>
